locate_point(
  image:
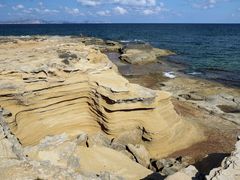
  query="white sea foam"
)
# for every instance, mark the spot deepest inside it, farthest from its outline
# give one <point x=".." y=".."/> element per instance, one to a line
<point x="128" y="41"/>
<point x="194" y="73"/>
<point x="125" y="41"/>
<point x="170" y="75"/>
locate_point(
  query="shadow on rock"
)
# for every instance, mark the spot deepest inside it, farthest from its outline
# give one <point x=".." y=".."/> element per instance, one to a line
<point x="154" y="176"/>
<point x="210" y="162"/>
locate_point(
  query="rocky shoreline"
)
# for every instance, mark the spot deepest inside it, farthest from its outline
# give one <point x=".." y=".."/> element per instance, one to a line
<point x="67" y="113"/>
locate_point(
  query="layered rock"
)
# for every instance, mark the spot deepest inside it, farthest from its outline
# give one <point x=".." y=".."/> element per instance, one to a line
<point x="142" y="53"/>
<point x="53" y="85"/>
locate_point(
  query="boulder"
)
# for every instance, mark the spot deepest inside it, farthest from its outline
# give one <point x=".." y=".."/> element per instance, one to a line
<point x="82" y="139"/>
<point x="98" y="139"/>
<point x="142" y="53"/>
<point x="189" y="173"/>
<point x="169" y="166"/>
<point x="140" y="153"/>
<point x="129" y="137"/>
<point x="230" y="167"/>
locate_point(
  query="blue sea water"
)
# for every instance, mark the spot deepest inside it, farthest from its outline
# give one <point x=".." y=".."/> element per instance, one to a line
<point x="210" y="51"/>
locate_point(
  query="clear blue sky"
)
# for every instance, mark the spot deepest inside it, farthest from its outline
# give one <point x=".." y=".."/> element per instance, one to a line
<point x="120" y="11"/>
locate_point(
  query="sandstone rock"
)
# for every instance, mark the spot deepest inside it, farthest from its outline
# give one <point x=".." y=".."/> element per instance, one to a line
<point x="192" y="97"/>
<point x="169" y="166"/>
<point x="6" y="113"/>
<point x="98" y="139"/>
<point x="96" y="159"/>
<point x="82" y="139"/>
<point x="118" y="147"/>
<point x="57" y="150"/>
<point x="179" y="176"/>
<point x="189" y="173"/>
<point x="140" y="153"/>
<point x="103" y="46"/>
<point x="142" y="53"/>
<point x="230" y="167"/>
<point x="91" y="97"/>
<point x="129" y="137"/>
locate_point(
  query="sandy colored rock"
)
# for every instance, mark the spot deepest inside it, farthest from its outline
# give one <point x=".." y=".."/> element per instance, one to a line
<point x="56" y="89"/>
<point x="142" y="53"/>
<point x="86" y="95"/>
<point x="140" y="153"/>
<point x="95" y="159"/>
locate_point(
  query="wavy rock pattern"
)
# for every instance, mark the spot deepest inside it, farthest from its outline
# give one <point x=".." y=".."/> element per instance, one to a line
<point x="54" y="85"/>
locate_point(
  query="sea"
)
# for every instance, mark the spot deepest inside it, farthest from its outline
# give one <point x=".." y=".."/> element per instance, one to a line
<point x="210" y="51"/>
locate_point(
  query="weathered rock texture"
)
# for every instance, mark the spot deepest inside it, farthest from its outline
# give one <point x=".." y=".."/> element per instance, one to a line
<point x="230" y="168"/>
<point x="53" y="85"/>
<point x="142" y="53"/>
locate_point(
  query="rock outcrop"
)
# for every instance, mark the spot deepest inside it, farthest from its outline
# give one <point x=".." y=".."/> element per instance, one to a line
<point x="102" y="45"/>
<point x="229" y="170"/>
<point x="59" y="96"/>
<point x="142" y="53"/>
<point x="230" y="167"/>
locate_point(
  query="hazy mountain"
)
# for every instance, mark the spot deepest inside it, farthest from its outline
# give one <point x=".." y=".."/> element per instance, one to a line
<point x="40" y="21"/>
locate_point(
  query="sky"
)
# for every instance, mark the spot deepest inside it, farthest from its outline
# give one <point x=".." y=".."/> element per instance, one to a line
<point x="123" y="11"/>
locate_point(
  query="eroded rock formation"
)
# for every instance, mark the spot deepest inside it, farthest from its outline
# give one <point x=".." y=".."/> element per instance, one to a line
<point x="230" y="167"/>
<point x="142" y="53"/>
<point x="52" y="85"/>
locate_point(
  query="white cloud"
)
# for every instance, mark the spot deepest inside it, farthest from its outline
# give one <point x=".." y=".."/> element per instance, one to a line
<point x="17" y="7"/>
<point x="27" y="11"/>
<point x="73" y="11"/>
<point x="50" y="11"/>
<point x="40" y="3"/>
<point x="104" y="13"/>
<point x="40" y="11"/>
<point x="206" y="4"/>
<point x="89" y="2"/>
<point x="1" y="6"/>
<point x="136" y="2"/>
<point x="148" y="12"/>
<point x="155" y="10"/>
<point x="120" y="10"/>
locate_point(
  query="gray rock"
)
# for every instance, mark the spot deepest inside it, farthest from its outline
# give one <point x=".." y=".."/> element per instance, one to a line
<point x="169" y="166"/>
<point x="193" y="97"/>
<point x="82" y="139"/>
<point x="118" y="147"/>
<point x="230" y="167"/>
<point x="191" y="171"/>
<point x="99" y="139"/>
<point x="5" y="113"/>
